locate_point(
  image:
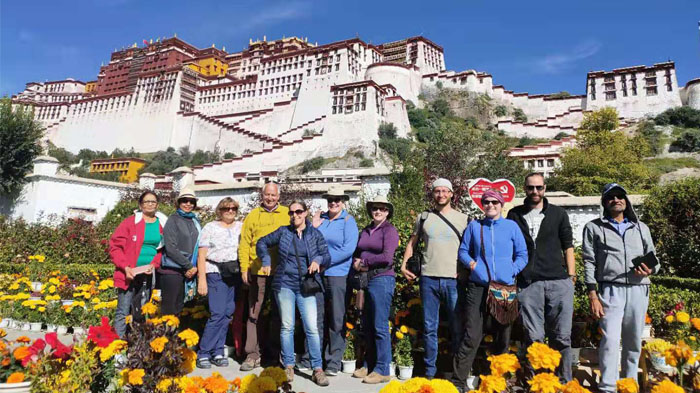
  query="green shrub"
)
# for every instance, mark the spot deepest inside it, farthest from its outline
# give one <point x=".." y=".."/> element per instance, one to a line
<point x="654" y="138"/>
<point x="500" y="111"/>
<point x="667" y="164"/>
<point x="688" y="141"/>
<point x="671" y="211"/>
<point x="366" y="163"/>
<point x="312" y="164"/>
<point x="387" y="131"/>
<point x="75" y="271"/>
<point x="519" y="115"/>
<point x="683" y="116"/>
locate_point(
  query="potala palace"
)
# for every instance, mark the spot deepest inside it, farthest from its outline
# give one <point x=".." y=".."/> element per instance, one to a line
<point x="278" y="103"/>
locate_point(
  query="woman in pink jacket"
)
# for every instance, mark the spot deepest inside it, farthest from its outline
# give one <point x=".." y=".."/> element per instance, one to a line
<point x="135" y="249"/>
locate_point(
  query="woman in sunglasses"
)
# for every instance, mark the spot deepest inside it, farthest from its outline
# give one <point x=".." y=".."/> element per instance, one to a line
<point x="498" y="242"/>
<point x="375" y="255"/>
<point x="135" y="249"/>
<point x="218" y="276"/>
<point x="303" y="253"/>
<point x="180" y="235"/>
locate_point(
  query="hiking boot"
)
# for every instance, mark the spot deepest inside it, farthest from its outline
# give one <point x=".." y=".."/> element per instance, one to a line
<point x="220" y="361"/>
<point x="360" y="373"/>
<point x="203" y="363"/>
<point x="289" y="370"/>
<point x="319" y="378"/>
<point x="331" y="372"/>
<point x="375" y="377"/>
<point x="250" y="364"/>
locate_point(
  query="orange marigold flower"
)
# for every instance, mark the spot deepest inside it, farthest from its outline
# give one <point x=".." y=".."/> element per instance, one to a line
<point x="236" y="382"/>
<point x="349" y="325"/>
<point x="627" y="385"/>
<point x="545" y="383"/>
<point x="695" y="322"/>
<point x="667" y="386"/>
<point x="21" y="352"/>
<point x="574" y="386"/>
<point x="15" y="378"/>
<point x="541" y="356"/>
<point x="426" y="389"/>
<point x="216" y="384"/>
<point x="23" y="339"/>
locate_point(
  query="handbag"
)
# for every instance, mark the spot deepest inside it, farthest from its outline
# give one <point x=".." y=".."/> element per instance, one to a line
<point x="415" y="262"/>
<point x="360" y="280"/>
<point x="309" y="284"/>
<point x="228" y="269"/>
<point x="501" y="299"/>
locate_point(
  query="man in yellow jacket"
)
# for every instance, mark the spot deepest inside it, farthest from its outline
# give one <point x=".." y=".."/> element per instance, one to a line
<point x="261" y="221"/>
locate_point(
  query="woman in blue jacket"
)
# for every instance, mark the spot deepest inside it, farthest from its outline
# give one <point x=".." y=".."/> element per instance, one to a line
<point x="302" y="249"/>
<point x="506" y="254"/>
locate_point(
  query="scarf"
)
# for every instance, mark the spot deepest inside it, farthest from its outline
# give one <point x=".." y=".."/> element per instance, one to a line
<point x="189" y="215"/>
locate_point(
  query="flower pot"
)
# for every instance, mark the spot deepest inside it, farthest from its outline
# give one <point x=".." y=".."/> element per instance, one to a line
<point x="349" y="366"/>
<point x="392" y="369"/>
<point x="472" y="382"/>
<point x="229" y="351"/>
<point x="575" y="356"/>
<point x="5" y="323"/>
<point x="67" y="302"/>
<point x="15" y="324"/>
<point x="405" y="372"/>
<point x="36" y="286"/>
<point x="61" y="330"/>
<point x="35" y="326"/>
<point x="658" y="362"/>
<point x="646" y="332"/>
<point x="78" y="331"/>
<point x="25" y="326"/>
<point x="21" y="387"/>
<point x="50" y="328"/>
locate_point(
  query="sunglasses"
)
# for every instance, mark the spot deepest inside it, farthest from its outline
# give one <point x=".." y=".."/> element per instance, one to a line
<point x="612" y="197"/>
<point x="334" y="200"/>
<point x="380" y="208"/>
<point x="490" y="202"/>
<point x="298" y="212"/>
<point x="188" y="200"/>
<point x="228" y="209"/>
<point x="532" y="188"/>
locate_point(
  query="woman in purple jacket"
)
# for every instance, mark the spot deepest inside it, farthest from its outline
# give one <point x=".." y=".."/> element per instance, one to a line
<point x="375" y="254"/>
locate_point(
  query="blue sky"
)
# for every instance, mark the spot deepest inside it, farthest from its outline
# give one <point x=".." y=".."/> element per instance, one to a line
<point x="528" y="46"/>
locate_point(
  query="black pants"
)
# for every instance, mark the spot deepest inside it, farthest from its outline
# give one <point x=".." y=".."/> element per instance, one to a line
<point x="172" y="294"/>
<point x="478" y="319"/>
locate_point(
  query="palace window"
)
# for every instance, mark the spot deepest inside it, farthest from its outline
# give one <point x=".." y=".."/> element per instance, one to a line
<point x="610" y="95"/>
<point x="651" y="91"/>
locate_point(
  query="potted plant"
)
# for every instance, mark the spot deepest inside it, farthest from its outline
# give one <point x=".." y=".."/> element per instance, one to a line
<point x="402" y="353"/>
<point x="349" y="357"/>
<point x="17" y="359"/>
<point x="657" y="348"/>
<point x="53" y="316"/>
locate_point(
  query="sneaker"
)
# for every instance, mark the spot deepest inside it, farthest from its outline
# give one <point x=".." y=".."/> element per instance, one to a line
<point x="220" y="361"/>
<point x="319" y="378"/>
<point x="331" y="373"/>
<point x="289" y="370"/>
<point x="375" y="377"/>
<point x="203" y="363"/>
<point x="250" y="364"/>
<point x="360" y="373"/>
<point x="303" y="369"/>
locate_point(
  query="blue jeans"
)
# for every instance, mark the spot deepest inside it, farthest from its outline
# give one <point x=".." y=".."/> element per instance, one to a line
<point x="376" y="327"/>
<point x="221" y="296"/>
<point x="432" y="291"/>
<point x="286" y="300"/>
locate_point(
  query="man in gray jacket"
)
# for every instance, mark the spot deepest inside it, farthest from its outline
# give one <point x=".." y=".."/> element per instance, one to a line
<point x="618" y="282"/>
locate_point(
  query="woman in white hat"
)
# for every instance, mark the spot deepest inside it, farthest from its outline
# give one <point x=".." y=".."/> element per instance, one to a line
<point x="180" y="235"/>
<point x="375" y="255"/>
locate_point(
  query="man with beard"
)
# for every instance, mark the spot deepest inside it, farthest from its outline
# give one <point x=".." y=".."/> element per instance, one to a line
<point x="441" y="232"/>
<point x="546" y="285"/>
<point x="619" y="256"/>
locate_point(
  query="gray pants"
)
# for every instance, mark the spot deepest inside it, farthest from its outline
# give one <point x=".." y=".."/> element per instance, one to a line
<point x="547" y="308"/>
<point x="130" y="301"/>
<point x="625" y="308"/>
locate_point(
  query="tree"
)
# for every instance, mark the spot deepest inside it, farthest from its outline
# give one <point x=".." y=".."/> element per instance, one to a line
<point x="19" y="137"/>
<point x="164" y="161"/>
<point x="688" y="141"/>
<point x="519" y="115"/>
<point x="671" y="212"/>
<point x="654" y="138"/>
<point x="683" y="116"/>
<point x="603" y="156"/>
<point x="387" y="130"/>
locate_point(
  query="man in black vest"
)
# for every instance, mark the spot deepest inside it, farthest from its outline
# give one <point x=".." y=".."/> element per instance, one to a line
<point x="546" y="285"/>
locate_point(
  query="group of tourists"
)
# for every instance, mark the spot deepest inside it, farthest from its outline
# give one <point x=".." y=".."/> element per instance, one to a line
<point x="485" y="273"/>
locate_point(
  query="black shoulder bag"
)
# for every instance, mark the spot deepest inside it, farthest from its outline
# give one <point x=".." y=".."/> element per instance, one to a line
<point x="360" y="280"/>
<point x="415" y="262"/>
<point x="501" y="299"/>
<point x="309" y="285"/>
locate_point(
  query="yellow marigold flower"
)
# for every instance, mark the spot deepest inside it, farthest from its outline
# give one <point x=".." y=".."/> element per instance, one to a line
<point x="65" y="375"/>
<point x="695" y="322"/>
<point x="574" y="387"/>
<point x="492" y="384"/>
<point x="42" y="309"/>
<point x="190" y="359"/>
<point x="105" y="284"/>
<point x="164" y="385"/>
<point x="399" y="335"/>
<point x="393" y="386"/>
<point x="667" y="386"/>
<point x="157" y="344"/>
<point x="413" y="384"/>
<point x="276" y="373"/>
<point x="54" y="281"/>
<point x="246" y="381"/>
<point x="627" y="385"/>
<point x="171" y="320"/>
<point x="403" y="329"/>
<point x="136" y="376"/>
<point x="262" y="384"/>
<point x="442" y="386"/>
<point x="128" y="319"/>
<point x="503" y="364"/>
<point x="682" y="317"/>
<point x="696" y="382"/>
<point x="678" y="354"/>
<point x="189" y="336"/>
<point x="149" y="308"/>
<point x="669" y="318"/>
<point x="542" y="356"/>
<point x="544" y="383"/>
<point x="155" y="321"/>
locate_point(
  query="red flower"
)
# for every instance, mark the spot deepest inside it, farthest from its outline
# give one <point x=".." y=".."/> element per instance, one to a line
<point x="34" y="351"/>
<point x="60" y="351"/>
<point x="102" y="335"/>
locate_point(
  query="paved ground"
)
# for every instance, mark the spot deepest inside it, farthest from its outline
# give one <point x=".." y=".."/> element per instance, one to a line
<point x="343" y="383"/>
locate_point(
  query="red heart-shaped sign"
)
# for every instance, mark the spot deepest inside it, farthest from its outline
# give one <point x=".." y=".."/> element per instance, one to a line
<point x="481" y="185"/>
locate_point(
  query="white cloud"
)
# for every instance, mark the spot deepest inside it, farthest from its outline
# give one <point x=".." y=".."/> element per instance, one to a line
<point x="558" y="62"/>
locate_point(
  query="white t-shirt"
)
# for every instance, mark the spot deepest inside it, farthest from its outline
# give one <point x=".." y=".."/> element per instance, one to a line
<point x="221" y="243"/>
<point x="534" y="220"/>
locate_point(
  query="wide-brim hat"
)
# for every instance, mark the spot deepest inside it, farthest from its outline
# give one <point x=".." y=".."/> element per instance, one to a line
<point x="187" y="192"/>
<point x="336" y="192"/>
<point x="380" y="199"/>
